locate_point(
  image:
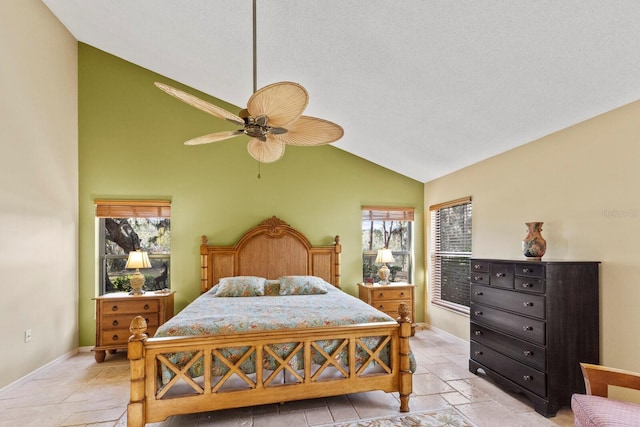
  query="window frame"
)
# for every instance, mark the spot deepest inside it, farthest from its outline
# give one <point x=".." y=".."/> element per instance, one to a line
<point x="126" y="209"/>
<point x="436" y="255"/>
<point x="391" y="213"/>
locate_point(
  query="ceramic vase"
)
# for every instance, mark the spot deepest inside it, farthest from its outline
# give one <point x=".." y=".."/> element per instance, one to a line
<point x="533" y="245"/>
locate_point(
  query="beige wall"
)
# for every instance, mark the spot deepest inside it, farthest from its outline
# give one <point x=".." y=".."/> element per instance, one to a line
<point x="583" y="183"/>
<point x="38" y="188"/>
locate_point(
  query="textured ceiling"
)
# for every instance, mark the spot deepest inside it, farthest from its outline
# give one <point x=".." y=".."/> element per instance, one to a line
<point x="421" y="87"/>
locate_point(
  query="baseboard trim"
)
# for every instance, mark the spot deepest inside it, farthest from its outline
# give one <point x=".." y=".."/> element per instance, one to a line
<point x="32" y="373"/>
<point x="441" y="331"/>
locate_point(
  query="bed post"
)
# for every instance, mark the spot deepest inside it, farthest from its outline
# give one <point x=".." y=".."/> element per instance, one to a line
<point x="136" y="353"/>
<point x="406" y="385"/>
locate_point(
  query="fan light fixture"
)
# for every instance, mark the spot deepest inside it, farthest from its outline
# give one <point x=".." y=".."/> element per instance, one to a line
<point x="273" y="117"/>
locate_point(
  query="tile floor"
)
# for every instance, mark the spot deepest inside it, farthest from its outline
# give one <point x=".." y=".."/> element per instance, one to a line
<point x="77" y="391"/>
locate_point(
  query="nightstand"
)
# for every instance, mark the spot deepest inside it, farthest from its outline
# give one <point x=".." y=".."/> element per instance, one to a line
<point x="114" y="313"/>
<point x="387" y="298"/>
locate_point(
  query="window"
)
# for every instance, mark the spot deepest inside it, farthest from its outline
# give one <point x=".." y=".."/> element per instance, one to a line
<point x="450" y="249"/>
<point x="129" y="225"/>
<point x="391" y="228"/>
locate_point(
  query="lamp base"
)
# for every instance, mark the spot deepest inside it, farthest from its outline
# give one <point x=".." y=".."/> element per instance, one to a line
<point x="383" y="273"/>
<point x="137" y="282"/>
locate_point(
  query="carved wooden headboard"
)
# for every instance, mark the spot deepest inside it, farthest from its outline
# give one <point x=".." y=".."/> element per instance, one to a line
<point x="271" y="250"/>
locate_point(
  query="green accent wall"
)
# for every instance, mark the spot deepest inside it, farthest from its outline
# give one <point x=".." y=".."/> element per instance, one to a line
<point x="131" y="138"/>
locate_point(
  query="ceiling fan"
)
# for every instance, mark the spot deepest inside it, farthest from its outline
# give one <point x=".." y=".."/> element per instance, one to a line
<point x="273" y="117"/>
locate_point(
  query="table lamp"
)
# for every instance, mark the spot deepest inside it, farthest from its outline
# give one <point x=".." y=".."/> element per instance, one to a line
<point x="384" y="256"/>
<point x="137" y="259"/>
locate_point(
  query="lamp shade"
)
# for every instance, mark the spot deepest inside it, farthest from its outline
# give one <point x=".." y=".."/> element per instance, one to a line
<point x="384" y="255"/>
<point x="138" y="259"/>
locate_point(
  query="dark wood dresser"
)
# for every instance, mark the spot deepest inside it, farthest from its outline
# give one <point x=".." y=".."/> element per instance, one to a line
<point x="532" y="323"/>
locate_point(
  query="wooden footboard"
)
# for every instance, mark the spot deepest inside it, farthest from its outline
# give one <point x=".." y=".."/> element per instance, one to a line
<point x="352" y="367"/>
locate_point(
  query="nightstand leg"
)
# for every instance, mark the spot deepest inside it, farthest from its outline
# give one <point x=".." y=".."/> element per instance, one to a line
<point x="100" y="355"/>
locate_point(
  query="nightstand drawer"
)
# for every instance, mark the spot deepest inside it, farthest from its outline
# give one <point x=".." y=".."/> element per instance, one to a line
<point x="384" y="294"/>
<point x="121" y="336"/>
<point x="390" y="307"/>
<point x="120" y="321"/>
<point x="133" y="305"/>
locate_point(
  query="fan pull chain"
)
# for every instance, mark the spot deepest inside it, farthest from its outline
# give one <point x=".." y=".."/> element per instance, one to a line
<point x="259" y="163"/>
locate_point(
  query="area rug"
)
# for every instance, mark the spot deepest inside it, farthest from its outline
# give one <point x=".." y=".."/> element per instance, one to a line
<point x="448" y="417"/>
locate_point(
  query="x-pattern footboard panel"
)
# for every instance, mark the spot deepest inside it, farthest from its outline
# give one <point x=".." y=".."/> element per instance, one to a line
<point x="195" y="374"/>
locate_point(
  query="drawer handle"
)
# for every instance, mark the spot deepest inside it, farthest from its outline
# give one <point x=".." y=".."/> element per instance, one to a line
<point x="478" y="333"/>
<point x="146" y="307"/>
<point x="478" y="313"/>
<point x="478" y="353"/>
<point x="479" y="293"/>
<point x="477" y="265"/>
<point x="527" y="328"/>
<point x="381" y="295"/>
<point x="146" y="320"/>
<point x="477" y="278"/>
<point x="114" y="308"/>
<point x="527" y="270"/>
<point x="500" y="274"/>
<point x="527" y="377"/>
<point x="381" y="306"/>
<point x="527" y="304"/>
<point x="527" y="285"/>
<point x="401" y="294"/>
<point x="528" y="353"/>
<point x="114" y="323"/>
<point x="115" y="338"/>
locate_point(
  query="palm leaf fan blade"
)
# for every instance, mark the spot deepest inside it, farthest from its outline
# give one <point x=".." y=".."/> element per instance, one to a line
<point x="200" y="104"/>
<point x="282" y="103"/>
<point x="214" y="137"/>
<point x="310" y="131"/>
<point x="267" y="151"/>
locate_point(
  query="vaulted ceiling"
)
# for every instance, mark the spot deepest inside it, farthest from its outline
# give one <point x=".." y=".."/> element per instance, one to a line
<point x="421" y="87"/>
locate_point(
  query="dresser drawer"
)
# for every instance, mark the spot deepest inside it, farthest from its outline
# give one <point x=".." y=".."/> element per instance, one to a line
<point x="513" y="324"/>
<point x="530" y="270"/>
<point x="137" y="306"/>
<point x="501" y="275"/>
<point x="530" y="284"/>
<point x="522" y="351"/>
<point x="480" y="266"/>
<point x="383" y="294"/>
<point x="523" y="375"/>
<point x="519" y="302"/>
<point x="119" y="321"/>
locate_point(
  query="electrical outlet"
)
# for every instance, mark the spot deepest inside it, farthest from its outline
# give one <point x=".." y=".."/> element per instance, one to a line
<point x="27" y="335"/>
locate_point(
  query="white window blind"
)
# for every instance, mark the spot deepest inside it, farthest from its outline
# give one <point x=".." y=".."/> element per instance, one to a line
<point x="450" y="253"/>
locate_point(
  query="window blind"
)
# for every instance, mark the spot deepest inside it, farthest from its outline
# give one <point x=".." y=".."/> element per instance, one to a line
<point x="133" y="208"/>
<point x="383" y="213"/>
<point x="450" y="247"/>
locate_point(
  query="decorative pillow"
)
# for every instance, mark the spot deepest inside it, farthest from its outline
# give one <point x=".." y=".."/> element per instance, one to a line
<point x="240" y="286"/>
<point x="272" y="288"/>
<point x="302" y="285"/>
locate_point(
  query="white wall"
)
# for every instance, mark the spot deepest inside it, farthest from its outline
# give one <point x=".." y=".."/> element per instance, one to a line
<point x="38" y="188"/>
<point x="583" y="183"/>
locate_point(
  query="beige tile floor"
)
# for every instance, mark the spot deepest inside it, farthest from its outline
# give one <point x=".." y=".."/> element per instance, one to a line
<point x="77" y="391"/>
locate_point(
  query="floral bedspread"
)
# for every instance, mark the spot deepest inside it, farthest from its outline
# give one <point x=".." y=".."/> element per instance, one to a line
<point x="210" y="315"/>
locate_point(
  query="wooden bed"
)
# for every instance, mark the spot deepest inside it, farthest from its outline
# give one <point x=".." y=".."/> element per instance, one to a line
<point x="271" y="250"/>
